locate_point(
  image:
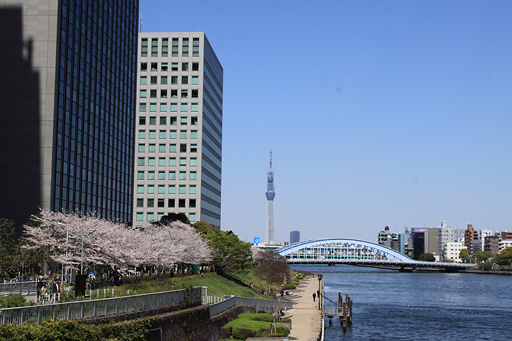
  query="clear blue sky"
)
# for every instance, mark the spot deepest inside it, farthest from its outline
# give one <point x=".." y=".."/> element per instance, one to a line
<point x="378" y="113"/>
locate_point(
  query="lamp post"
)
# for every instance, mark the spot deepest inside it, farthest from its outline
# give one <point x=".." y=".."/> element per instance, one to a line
<point x="82" y="256"/>
<point x="62" y="278"/>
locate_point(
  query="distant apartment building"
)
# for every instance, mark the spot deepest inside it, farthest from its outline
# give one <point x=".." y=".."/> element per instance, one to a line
<point x="389" y="239"/>
<point x="447" y="234"/>
<point x="451" y="251"/>
<point x="294" y="236"/>
<point x="506" y="235"/>
<point x="470" y="235"/>
<point x="492" y="244"/>
<point x="505" y="243"/>
<point x="178" y="142"/>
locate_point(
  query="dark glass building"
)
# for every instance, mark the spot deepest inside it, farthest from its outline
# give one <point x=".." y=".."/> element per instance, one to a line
<point x="67" y="130"/>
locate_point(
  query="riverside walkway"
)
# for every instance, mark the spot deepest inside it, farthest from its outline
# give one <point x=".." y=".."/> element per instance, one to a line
<point x="306" y="318"/>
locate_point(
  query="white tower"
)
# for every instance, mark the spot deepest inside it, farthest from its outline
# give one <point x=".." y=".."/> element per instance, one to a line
<point x="270" y="204"/>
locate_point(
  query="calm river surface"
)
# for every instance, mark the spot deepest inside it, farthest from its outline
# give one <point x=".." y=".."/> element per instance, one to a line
<point x="419" y="306"/>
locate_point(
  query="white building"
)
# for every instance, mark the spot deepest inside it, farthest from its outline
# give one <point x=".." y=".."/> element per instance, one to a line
<point x="448" y="234"/>
<point x="178" y="143"/>
<point x="451" y="251"/>
<point x="505" y="243"/>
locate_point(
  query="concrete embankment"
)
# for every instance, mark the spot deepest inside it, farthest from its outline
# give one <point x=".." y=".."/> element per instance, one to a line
<point x="306" y="317"/>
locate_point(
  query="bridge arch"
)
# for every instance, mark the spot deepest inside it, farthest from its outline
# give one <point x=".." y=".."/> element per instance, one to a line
<point x="336" y="249"/>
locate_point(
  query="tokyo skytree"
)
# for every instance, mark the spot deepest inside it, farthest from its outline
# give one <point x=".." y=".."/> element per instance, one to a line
<point x="270" y="204"/>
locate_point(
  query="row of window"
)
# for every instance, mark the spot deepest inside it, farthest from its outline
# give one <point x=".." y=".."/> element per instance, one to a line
<point x="163" y="175"/>
<point x="153" y="93"/>
<point x="143" y="107"/>
<point x="162" y="148"/>
<point x="162" y="189"/>
<point x="173" y="120"/>
<point x="161" y="203"/>
<point x="164" y="80"/>
<point x="174" y="47"/>
<point x="175" y="66"/>
<point x="162" y="134"/>
<point x="162" y="161"/>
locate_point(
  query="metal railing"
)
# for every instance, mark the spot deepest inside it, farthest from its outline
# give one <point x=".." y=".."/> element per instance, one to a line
<point x="18" y="288"/>
<point x="258" y="303"/>
<point x="96" y="308"/>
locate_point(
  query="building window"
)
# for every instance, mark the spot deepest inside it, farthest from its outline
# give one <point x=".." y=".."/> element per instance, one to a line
<point x="152" y="148"/>
<point x="172" y="189"/>
<point x="164" y="66"/>
<point x="151" y="202"/>
<point x="192" y="203"/>
<point x="174" y="66"/>
<point x="143" y="80"/>
<point x="163" y="107"/>
<point x="161" y="148"/>
<point x="183" y="189"/>
<point x="174" y="107"/>
<point x="194" y="107"/>
<point x="140" y="175"/>
<point x="140" y="202"/>
<point x="175" y="46"/>
<point x="183" y="148"/>
<point x="154" y="47"/>
<point x="143" y="66"/>
<point x="174" y="79"/>
<point x="183" y="175"/>
<point x="183" y="120"/>
<point x="154" y="80"/>
<point x="195" y="93"/>
<point x="172" y="161"/>
<point x="161" y="161"/>
<point x="142" y="120"/>
<point x="172" y="148"/>
<point x="163" y="93"/>
<point x="184" y="79"/>
<point x="161" y="203"/>
<point x="142" y="107"/>
<point x="193" y="161"/>
<point x="151" y="175"/>
<point x="140" y="216"/>
<point x="174" y="93"/>
<point x="193" y="175"/>
<point x="140" y="189"/>
<point x="163" y="80"/>
<point x="161" y="189"/>
<point x="152" y="93"/>
<point x="172" y="175"/>
<point x="184" y="93"/>
<point x="163" y="121"/>
<point x="193" y="134"/>
<point x="193" y="148"/>
<point x="142" y="134"/>
<point x="142" y="148"/>
<point x="140" y="161"/>
<point x="151" y="216"/>
<point x="154" y="66"/>
<point x="184" y="107"/>
<point x="143" y="94"/>
<point x="195" y="47"/>
<point x="184" y="66"/>
<point x="144" y="47"/>
<point x="174" y="120"/>
<point x="184" y="47"/>
<point x="192" y="189"/>
<point x="193" y="121"/>
<point x="195" y="66"/>
<point x="170" y="202"/>
<point x="192" y="217"/>
<point x="152" y="134"/>
<point x="183" y="161"/>
<point x="151" y="189"/>
<point x="173" y="134"/>
<point x="165" y="47"/>
<point x="195" y="80"/>
<point x="183" y="134"/>
<point x="161" y="175"/>
<point x="181" y="202"/>
<point x="151" y="161"/>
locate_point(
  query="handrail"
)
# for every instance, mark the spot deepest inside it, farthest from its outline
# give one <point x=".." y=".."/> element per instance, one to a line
<point x="96" y="308"/>
<point x="261" y="303"/>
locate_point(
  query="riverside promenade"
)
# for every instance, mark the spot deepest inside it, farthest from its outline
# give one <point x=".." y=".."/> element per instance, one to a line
<point x="306" y="318"/>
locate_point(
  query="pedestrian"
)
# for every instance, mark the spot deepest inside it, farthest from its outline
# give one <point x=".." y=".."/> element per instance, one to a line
<point x="314" y="296"/>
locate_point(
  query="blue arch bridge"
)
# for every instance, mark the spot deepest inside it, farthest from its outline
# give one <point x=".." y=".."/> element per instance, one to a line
<point x="333" y="251"/>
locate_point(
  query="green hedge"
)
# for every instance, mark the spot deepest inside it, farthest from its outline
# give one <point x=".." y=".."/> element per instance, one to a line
<point x="74" y="330"/>
<point x="14" y="301"/>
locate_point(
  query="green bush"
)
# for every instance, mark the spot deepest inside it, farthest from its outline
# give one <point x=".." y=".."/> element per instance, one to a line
<point x="485" y="266"/>
<point x="14" y="301"/>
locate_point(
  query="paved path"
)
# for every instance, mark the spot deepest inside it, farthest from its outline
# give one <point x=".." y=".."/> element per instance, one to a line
<point x="306" y="318"/>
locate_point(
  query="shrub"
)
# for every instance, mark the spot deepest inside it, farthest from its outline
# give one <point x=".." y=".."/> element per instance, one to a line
<point x="225" y="333"/>
<point x="13" y="301"/>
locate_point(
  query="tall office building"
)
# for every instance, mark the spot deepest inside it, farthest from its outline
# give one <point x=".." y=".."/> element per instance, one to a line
<point x="67" y="98"/>
<point x="294" y="236"/>
<point x="179" y="128"/>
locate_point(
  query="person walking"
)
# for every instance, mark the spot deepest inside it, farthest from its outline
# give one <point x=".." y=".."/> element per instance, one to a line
<point x="314" y="296"/>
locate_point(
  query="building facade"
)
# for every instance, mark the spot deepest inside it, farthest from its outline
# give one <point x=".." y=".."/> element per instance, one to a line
<point x="67" y="90"/>
<point x="451" y="251"/>
<point x="294" y="236"/>
<point x="178" y="144"/>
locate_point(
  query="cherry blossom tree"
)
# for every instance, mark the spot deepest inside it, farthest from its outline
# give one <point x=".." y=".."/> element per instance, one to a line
<point x="115" y="245"/>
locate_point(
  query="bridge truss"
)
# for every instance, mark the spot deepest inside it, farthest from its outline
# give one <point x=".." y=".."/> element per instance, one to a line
<point x="354" y="252"/>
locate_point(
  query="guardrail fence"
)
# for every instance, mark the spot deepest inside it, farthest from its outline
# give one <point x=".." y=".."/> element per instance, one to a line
<point x="18" y="288"/>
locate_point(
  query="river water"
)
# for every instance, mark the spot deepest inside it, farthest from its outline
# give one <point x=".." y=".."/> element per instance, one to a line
<point x="418" y="306"/>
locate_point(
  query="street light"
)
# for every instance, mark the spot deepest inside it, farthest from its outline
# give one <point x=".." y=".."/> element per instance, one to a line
<point x="67" y="241"/>
<point x="82" y="258"/>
